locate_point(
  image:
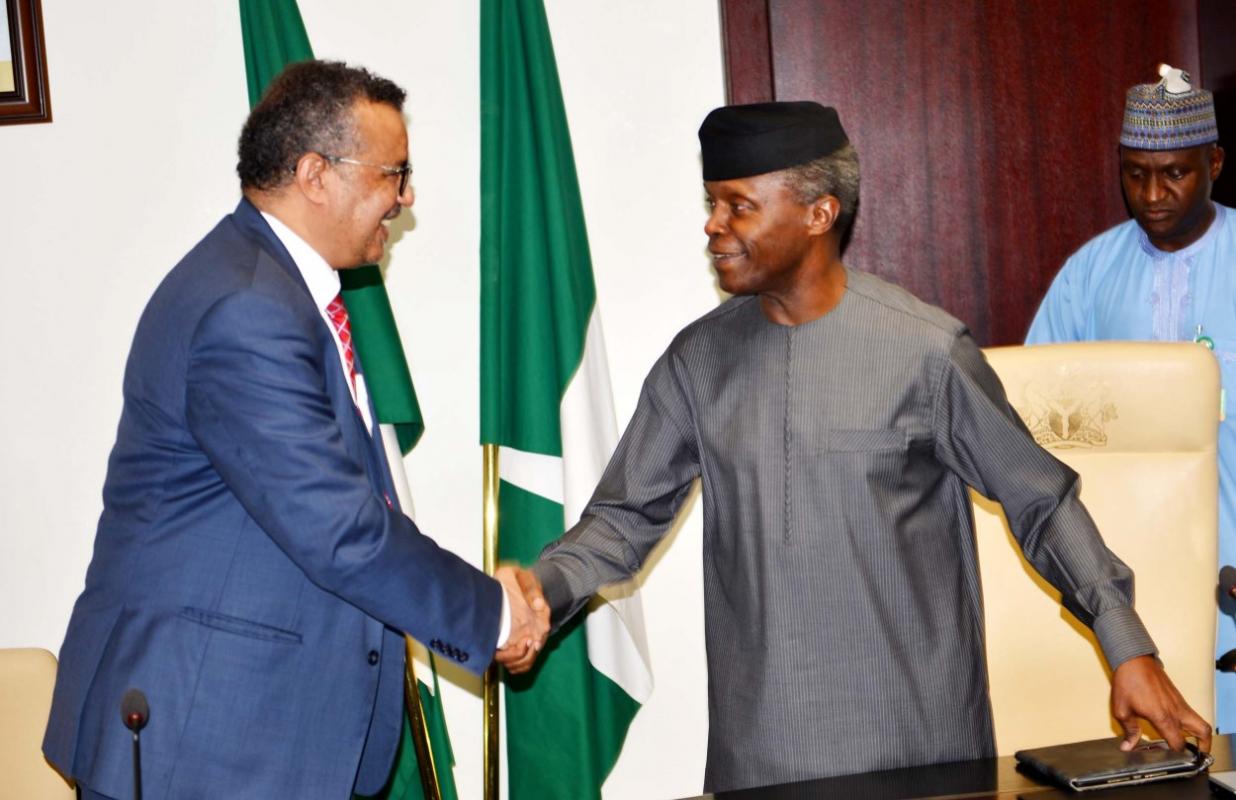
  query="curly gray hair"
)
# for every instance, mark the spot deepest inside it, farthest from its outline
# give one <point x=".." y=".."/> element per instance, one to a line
<point x="835" y="174"/>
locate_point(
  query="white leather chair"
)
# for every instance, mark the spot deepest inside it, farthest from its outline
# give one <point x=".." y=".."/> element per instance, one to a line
<point x="26" y="680"/>
<point x="1138" y="422"/>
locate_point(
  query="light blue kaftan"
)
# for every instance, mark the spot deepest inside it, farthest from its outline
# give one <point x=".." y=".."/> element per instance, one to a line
<point x="1119" y="286"/>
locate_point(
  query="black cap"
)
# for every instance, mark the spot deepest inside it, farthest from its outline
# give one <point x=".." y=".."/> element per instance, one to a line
<point x="741" y="141"/>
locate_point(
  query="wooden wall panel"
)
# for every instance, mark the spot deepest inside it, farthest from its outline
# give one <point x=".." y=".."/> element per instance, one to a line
<point x="986" y="130"/>
<point x="748" y="51"/>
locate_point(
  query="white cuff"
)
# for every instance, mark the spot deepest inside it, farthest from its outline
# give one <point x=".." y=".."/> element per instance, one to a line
<point x="504" y="628"/>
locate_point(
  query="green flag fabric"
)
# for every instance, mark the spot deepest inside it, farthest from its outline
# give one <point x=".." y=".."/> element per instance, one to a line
<point x="274" y="36"/>
<point x="546" y="401"/>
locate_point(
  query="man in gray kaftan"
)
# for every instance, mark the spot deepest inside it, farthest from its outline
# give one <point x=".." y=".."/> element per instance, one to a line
<point x="835" y="438"/>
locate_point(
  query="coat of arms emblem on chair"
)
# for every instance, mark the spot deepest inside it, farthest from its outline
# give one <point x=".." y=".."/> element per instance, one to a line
<point x="1067" y="411"/>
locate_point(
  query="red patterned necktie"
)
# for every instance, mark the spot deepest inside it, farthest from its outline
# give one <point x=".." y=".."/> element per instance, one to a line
<point x="338" y="314"/>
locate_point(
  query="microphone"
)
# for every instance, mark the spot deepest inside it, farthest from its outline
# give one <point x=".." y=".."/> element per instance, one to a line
<point x="1227" y="583"/>
<point x="1227" y="605"/>
<point x="135" y="712"/>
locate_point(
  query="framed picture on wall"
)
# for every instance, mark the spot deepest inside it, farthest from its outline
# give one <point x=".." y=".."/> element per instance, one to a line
<point x="23" y="64"/>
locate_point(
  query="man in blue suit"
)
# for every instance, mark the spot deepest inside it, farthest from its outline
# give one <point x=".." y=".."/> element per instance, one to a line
<point x="251" y="573"/>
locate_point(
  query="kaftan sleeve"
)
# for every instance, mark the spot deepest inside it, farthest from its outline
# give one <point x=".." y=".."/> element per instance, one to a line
<point x="641" y="491"/>
<point x="979" y="436"/>
<point x="1062" y="314"/>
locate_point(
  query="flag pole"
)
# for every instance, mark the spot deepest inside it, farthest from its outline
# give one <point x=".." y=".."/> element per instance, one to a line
<point x="492" y="681"/>
<point x="420" y="729"/>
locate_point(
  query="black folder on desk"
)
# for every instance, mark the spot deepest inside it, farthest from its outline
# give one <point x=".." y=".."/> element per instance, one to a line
<point x="1100" y="763"/>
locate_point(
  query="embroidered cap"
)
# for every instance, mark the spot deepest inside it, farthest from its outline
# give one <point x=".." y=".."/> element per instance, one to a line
<point x="746" y="140"/>
<point x="1168" y="115"/>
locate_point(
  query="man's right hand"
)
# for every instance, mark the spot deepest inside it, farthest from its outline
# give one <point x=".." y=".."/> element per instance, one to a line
<point x="529" y="618"/>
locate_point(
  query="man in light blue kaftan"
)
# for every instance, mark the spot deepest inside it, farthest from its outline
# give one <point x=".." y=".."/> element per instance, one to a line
<point x="1168" y="274"/>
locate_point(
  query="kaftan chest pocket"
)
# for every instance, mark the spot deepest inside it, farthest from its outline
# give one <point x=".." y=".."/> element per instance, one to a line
<point x="848" y="474"/>
<point x="862" y="441"/>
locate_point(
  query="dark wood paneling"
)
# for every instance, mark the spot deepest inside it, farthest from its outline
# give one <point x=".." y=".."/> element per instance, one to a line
<point x="986" y="129"/>
<point x="748" y="51"/>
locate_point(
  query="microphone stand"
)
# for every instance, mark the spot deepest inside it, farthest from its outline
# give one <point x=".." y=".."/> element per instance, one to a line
<point x="135" y="713"/>
<point x="137" y="766"/>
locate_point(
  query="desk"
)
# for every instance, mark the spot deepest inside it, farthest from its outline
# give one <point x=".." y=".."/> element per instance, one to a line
<point x="983" y="779"/>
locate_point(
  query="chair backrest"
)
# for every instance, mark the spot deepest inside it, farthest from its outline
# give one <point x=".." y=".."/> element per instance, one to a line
<point x="1138" y="422"/>
<point x="26" y="680"/>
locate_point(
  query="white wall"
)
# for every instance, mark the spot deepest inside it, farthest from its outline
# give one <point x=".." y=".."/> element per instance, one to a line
<point x="97" y="206"/>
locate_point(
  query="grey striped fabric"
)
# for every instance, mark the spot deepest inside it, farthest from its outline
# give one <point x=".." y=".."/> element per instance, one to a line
<point x="843" y="614"/>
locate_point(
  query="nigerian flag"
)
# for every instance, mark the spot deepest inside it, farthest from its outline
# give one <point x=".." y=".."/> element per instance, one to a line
<point x="545" y="400"/>
<point x="274" y="36"/>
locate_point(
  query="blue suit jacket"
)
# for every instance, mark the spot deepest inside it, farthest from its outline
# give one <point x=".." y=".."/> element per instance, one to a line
<point x="248" y="573"/>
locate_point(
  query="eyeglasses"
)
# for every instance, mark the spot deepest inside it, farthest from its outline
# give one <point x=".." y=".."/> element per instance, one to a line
<point x="404" y="170"/>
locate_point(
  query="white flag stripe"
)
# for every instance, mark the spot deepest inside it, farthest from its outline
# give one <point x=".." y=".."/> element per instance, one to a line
<point x="617" y="642"/>
<point x="618" y="645"/>
<point x="589" y="431"/>
<point x="532" y="472"/>
<point x="399" y="476"/>
<point x="424" y="668"/>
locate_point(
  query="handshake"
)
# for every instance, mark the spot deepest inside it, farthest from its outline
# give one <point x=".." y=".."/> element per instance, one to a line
<point x="529" y="618"/>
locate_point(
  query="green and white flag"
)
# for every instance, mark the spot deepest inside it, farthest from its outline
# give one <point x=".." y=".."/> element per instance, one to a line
<point x="546" y="401"/>
<point x="274" y="36"/>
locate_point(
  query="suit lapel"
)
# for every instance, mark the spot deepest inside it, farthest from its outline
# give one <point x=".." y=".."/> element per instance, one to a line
<point x="365" y="446"/>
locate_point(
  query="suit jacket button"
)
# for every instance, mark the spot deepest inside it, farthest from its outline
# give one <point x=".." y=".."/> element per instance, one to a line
<point x="463" y="658"/>
<point x="373" y="657"/>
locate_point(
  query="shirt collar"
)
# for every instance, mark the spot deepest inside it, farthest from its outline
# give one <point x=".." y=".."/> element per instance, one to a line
<point x="322" y="280"/>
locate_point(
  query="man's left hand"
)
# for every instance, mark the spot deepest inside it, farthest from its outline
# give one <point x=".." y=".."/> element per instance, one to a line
<point x="1141" y="688"/>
